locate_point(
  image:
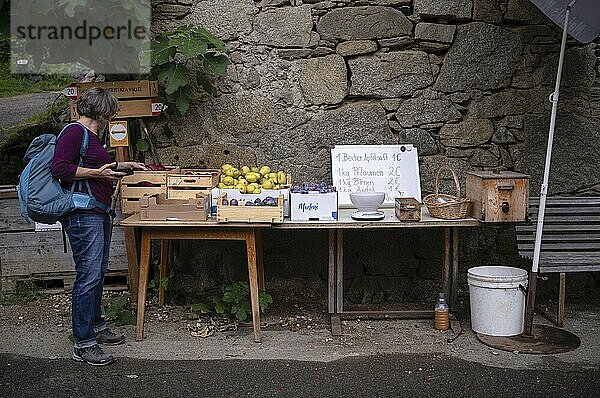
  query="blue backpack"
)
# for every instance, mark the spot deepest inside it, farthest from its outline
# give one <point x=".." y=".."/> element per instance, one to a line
<point x="41" y="196"/>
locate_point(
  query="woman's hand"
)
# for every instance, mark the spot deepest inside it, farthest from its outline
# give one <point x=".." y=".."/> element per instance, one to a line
<point x="132" y="165"/>
<point x="108" y="173"/>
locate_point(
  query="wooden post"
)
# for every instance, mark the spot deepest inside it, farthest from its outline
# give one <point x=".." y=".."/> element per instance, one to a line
<point x="560" y="319"/>
<point x="122" y="155"/>
<point x="446" y="263"/>
<point x="143" y="279"/>
<point x="339" y="272"/>
<point x="530" y="305"/>
<point x="260" y="266"/>
<point x="252" y="274"/>
<point x="164" y="261"/>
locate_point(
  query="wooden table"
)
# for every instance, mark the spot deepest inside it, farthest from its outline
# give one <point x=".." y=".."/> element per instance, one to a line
<point x="168" y="230"/>
<point x="335" y="278"/>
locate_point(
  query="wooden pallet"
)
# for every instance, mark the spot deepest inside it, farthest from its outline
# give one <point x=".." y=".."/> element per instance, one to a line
<point x="63" y="281"/>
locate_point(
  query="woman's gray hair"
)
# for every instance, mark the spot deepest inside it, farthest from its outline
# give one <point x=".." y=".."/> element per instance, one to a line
<point x="98" y="104"/>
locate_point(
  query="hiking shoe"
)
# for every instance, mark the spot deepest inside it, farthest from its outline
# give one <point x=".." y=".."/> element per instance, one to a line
<point x="109" y="337"/>
<point x="92" y="355"/>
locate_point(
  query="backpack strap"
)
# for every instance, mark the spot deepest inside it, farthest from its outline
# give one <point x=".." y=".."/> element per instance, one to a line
<point x="79" y="183"/>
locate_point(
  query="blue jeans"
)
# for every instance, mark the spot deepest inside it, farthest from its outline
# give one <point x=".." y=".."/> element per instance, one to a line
<point x="89" y="235"/>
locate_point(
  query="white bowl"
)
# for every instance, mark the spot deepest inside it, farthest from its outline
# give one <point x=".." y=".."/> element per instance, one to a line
<point x="367" y="201"/>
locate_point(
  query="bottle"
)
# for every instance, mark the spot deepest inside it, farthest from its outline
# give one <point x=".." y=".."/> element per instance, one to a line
<point x="442" y="321"/>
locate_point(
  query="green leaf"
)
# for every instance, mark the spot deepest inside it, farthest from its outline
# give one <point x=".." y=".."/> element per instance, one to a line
<point x="142" y="145"/>
<point x="207" y="85"/>
<point x="162" y="50"/>
<point x="217" y="63"/>
<point x="220" y="306"/>
<point x="209" y="38"/>
<point x="241" y="311"/>
<point x="264" y="299"/>
<point x="183" y="96"/>
<point x="201" y="307"/>
<point x="173" y="77"/>
<point x="190" y="47"/>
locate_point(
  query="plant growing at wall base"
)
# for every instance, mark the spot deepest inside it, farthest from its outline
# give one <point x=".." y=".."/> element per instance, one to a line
<point x="174" y="52"/>
<point x="236" y="301"/>
<point x="117" y="310"/>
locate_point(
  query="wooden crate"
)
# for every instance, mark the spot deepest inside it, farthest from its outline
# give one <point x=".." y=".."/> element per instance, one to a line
<point x="141" y="183"/>
<point x="249" y="214"/>
<point x="498" y="196"/>
<point x="159" y="208"/>
<point x="408" y="209"/>
<point x="185" y="183"/>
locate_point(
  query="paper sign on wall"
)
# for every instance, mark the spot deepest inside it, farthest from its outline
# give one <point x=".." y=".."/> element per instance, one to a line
<point x="393" y="169"/>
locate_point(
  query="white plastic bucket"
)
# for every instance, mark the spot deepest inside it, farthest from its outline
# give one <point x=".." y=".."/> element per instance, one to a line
<point x="497" y="302"/>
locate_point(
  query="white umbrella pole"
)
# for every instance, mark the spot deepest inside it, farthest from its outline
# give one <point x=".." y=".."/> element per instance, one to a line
<point x="544" y="189"/>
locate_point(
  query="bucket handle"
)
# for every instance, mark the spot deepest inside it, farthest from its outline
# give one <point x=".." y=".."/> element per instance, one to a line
<point x="523" y="289"/>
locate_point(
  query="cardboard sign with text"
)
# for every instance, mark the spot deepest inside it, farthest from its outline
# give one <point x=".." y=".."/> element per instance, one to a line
<point x="121" y="89"/>
<point x="130" y="108"/>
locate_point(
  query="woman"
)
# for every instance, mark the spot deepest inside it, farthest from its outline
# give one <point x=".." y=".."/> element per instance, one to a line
<point x="89" y="231"/>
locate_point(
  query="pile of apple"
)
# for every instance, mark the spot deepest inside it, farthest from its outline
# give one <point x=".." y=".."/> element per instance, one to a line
<point x="250" y="179"/>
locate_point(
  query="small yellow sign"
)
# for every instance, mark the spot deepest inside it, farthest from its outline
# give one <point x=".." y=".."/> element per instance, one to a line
<point x="119" y="134"/>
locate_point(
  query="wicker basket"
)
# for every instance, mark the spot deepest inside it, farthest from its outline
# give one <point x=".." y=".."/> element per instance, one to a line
<point x="446" y="206"/>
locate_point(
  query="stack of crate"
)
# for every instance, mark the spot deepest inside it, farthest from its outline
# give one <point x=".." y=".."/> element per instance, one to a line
<point x="139" y="184"/>
<point x="186" y="183"/>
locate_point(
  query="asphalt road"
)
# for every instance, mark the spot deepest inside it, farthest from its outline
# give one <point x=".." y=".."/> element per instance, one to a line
<point x="375" y="376"/>
<point x="17" y="109"/>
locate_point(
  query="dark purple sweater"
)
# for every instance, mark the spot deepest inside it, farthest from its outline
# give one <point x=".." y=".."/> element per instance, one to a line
<point x="66" y="160"/>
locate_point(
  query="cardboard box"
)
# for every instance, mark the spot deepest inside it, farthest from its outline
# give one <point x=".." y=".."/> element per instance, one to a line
<point x="236" y="194"/>
<point x="159" y="208"/>
<point x="314" y="206"/>
<point x="498" y="196"/>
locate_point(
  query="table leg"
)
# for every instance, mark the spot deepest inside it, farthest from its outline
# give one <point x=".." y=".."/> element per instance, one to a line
<point x="331" y="281"/>
<point x="453" y="298"/>
<point x="253" y="276"/>
<point x="260" y="266"/>
<point x="339" y="268"/>
<point x="446" y="264"/>
<point x="164" y="260"/>
<point x="132" y="261"/>
<point x="143" y="284"/>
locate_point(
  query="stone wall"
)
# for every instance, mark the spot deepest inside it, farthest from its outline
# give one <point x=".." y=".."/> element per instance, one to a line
<point x="465" y="81"/>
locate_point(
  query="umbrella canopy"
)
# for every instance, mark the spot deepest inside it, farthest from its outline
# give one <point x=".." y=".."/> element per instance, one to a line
<point x="584" y="19"/>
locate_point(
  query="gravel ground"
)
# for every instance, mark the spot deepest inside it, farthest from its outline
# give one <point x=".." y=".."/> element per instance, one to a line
<point x="41" y="329"/>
